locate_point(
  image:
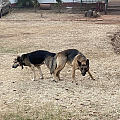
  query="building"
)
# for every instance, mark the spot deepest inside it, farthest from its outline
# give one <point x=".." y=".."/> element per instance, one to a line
<point x="13" y="1"/>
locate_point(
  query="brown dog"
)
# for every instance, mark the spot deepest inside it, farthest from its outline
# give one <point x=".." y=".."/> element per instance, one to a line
<point x="72" y="57"/>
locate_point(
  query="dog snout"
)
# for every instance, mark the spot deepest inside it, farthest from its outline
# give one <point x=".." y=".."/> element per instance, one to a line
<point x="15" y="65"/>
<point x="83" y="73"/>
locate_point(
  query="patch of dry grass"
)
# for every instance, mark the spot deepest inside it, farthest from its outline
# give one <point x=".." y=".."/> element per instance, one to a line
<point x="115" y="41"/>
<point x="45" y="112"/>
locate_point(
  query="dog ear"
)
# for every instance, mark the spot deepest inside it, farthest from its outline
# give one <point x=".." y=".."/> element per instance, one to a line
<point x="79" y="63"/>
<point x="87" y="63"/>
<point x="18" y="58"/>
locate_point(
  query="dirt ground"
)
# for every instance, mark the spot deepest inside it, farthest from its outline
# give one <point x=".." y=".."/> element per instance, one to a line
<point x="25" y="31"/>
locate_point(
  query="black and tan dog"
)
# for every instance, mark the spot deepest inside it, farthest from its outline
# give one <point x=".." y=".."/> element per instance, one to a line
<point x="75" y="59"/>
<point x="35" y="59"/>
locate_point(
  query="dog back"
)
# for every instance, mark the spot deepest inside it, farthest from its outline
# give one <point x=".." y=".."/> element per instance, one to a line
<point x="70" y="54"/>
<point x="38" y="57"/>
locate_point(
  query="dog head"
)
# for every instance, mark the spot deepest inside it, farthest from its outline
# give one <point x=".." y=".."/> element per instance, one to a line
<point x="17" y="62"/>
<point x="84" y="66"/>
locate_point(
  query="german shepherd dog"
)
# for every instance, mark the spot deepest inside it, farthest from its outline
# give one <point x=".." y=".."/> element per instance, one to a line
<point x="35" y="59"/>
<point x="72" y="57"/>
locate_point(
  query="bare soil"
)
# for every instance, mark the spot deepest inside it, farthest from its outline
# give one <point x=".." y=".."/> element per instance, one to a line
<point x="25" y="31"/>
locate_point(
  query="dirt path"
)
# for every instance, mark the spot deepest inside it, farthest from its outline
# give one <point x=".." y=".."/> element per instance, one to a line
<point x="90" y="100"/>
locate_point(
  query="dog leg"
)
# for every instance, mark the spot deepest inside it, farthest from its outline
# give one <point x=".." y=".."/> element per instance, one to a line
<point x="73" y="76"/>
<point x="56" y="78"/>
<point x="40" y="71"/>
<point x="33" y="69"/>
<point x="61" y="61"/>
<point x="90" y="75"/>
<point x="57" y="73"/>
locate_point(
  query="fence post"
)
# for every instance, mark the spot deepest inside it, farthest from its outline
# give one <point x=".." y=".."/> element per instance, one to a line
<point x="106" y="5"/>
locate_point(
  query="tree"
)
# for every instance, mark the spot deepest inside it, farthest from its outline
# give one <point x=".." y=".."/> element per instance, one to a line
<point x="35" y="4"/>
<point x="59" y="4"/>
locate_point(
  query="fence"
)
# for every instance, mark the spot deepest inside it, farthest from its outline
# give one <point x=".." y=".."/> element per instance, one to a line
<point x="91" y="1"/>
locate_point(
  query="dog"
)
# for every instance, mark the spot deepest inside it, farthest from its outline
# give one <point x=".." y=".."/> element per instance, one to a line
<point x="34" y="59"/>
<point x="72" y="57"/>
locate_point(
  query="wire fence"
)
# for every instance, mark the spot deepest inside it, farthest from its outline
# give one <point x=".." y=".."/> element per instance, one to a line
<point x="91" y="1"/>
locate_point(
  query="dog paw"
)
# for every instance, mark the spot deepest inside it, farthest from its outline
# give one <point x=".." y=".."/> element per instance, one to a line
<point x="33" y="79"/>
<point x="55" y="81"/>
<point x="41" y="77"/>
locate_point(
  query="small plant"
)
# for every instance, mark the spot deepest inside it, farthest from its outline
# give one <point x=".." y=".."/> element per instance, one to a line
<point x="13" y="116"/>
<point x="115" y="41"/>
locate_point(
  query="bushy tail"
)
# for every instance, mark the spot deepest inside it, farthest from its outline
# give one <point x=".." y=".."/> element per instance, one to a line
<point x="53" y="65"/>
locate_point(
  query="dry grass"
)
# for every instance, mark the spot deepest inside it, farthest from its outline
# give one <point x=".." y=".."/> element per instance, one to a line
<point x="23" y="99"/>
<point x="46" y="112"/>
<point x="115" y="41"/>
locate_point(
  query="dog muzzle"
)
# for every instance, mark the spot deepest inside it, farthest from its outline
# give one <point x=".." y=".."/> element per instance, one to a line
<point x="83" y="74"/>
<point x="15" y="65"/>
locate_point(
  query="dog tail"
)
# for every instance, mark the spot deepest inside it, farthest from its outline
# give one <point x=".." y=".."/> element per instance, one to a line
<point x="53" y="65"/>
